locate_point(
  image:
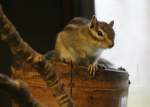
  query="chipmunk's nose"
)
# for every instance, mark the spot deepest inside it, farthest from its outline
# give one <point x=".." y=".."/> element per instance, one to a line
<point x="111" y="45"/>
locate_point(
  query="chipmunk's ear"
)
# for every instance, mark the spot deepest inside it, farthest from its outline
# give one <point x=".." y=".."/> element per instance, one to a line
<point x="111" y="23"/>
<point x="93" y="22"/>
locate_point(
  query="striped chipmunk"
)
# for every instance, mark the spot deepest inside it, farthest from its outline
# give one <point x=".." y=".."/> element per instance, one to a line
<point x="82" y="42"/>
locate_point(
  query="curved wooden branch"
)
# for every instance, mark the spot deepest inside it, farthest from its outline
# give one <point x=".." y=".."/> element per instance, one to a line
<point x="18" y="46"/>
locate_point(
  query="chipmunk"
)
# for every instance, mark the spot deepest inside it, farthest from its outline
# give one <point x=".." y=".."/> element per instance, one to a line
<point x="82" y="41"/>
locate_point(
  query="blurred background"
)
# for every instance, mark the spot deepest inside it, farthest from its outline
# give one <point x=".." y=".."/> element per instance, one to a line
<point x="132" y="48"/>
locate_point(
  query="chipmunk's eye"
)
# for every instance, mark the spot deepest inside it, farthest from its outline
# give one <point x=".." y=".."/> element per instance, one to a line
<point x="100" y="33"/>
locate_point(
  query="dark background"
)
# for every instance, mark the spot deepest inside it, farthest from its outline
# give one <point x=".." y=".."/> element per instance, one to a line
<point x="38" y="22"/>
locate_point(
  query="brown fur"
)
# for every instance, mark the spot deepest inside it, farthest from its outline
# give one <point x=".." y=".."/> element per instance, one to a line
<point x="79" y="41"/>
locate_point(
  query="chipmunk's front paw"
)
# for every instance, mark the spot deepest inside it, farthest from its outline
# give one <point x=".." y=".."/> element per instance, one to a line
<point x="92" y="68"/>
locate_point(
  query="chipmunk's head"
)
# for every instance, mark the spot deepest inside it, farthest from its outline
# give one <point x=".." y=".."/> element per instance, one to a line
<point x="102" y="33"/>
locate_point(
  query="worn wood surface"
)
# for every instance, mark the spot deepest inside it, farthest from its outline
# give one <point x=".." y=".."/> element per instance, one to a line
<point x="109" y="88"/>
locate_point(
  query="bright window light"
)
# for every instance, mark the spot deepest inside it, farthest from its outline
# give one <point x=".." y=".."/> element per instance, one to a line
<point x="132" y="43"/>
